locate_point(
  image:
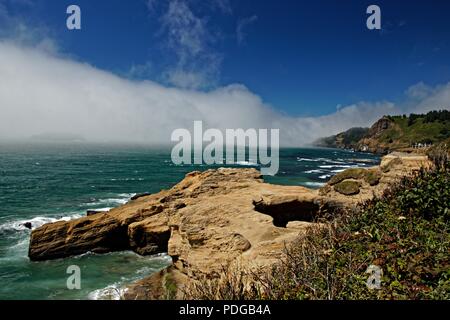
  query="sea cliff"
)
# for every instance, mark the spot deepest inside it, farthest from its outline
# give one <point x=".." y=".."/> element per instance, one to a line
<point x="212" y="219"/>
<point x="413" y="133"/>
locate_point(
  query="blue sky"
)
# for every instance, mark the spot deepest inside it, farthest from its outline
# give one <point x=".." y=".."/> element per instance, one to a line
<point x="304" y="58"/>
<point x="137" y="70"/>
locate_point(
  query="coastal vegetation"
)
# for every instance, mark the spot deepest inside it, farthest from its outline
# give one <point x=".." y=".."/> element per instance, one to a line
<point x="344" y="140"/>
<point x="394" y="133"/>
<point x="405" y="232"/>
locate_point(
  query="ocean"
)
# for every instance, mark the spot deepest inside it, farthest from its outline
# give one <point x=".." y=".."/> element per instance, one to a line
<point x="42" y="183"/>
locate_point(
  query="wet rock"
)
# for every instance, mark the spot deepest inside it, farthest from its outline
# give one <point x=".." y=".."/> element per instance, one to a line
<point x="92" y="212"/>
<point x="140" y="195"/>
<point x="28" y="225"/>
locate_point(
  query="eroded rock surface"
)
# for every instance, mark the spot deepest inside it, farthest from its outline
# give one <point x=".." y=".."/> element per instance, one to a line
<point x="209" y="220"/>
<point x="357" y="185"/>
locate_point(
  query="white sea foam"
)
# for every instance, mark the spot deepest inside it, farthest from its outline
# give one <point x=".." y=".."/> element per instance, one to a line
<point x="103" y="209"/>
<point x="325" y="176"/>
<point x="106" y="209"/>
<point x="313" y="184"/>
<point x="333" y="161"/>
<point x="246" y="163"/>
<point x="124" y="198"/>
<point x="113" y="200"/>
<point x="116" y="290"/>
<point x="36" y="222"/>
<point x="22" y="245"/>
<point x="127" y="195"/>
<point x="314" y="160"/>
<point x="313" y="171"/>
<point x="111" y="292"/>
<point x="364" y="160"/>
<point x="336" y="166"/>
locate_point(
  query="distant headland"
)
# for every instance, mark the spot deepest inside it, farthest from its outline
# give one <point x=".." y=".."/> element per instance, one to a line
<point x="413" y="133"/>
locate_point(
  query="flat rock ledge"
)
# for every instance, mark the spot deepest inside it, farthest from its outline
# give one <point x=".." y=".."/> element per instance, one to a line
<point x="211" y="219"/>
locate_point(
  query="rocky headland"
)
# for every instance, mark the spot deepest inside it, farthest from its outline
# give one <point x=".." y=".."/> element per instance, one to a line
<point x="212" y="219"/>
<point x="414" y="133"/>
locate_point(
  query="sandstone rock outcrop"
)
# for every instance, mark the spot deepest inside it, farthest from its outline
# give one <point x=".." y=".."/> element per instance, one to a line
<point x="358" y="185"/>
<point x="209" y="220"/>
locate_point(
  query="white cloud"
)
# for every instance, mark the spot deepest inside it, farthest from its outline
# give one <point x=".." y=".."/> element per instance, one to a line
<point x="185" y="79"/>
<point x="437" y="98"/>
<point x="16" y="28"/>
<point x="140" y="71"/>
<point x="151" y="5"/>
<point x="188" y="37"/>
<point x="241" y="25"/>
<point x="419" y="91"/>
<point x="222" y="5"/>
<point x="42" y="93"/>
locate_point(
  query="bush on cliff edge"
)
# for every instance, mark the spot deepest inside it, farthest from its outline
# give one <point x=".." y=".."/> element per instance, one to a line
<point x="405" y="233"/>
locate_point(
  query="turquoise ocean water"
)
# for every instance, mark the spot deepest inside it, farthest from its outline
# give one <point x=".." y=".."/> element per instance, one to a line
<point x="41" y="183"/>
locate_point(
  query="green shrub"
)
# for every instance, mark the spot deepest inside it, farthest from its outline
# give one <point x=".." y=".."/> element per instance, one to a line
<point x="405" y="233"/>
<point x="347" y="187"/>
<point x="372" y="177"/>
<point x="353" y="173"/>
